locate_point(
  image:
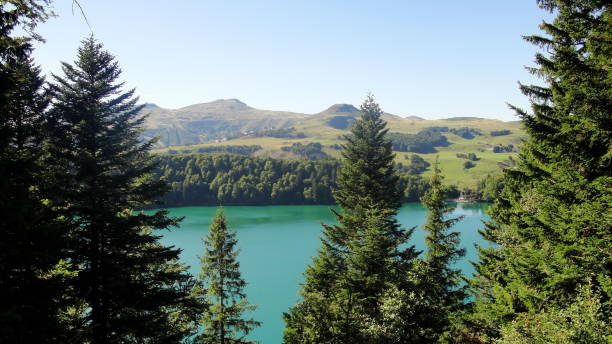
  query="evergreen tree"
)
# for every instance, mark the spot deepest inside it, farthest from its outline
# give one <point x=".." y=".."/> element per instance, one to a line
<point x="124" y="279"/>
<point x="421" y="312"/>
<point x="23" y="15"/>
<point x="551" y="224"/>
<point x="439" y="281"/>
<point x="582" y="321"/>
<point x="223" y="320"/>
<point x="362" y="255"/>
<point x="31" y="239"/>
<point x="367" y="176"/>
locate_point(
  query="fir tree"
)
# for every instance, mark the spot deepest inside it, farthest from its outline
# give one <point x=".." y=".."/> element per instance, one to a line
<point x="581" y="321"/>
<point x="367" y="176"/>
<point x="223" y="319"/>
<point x="551" y="224"/>
<point x="123" y="275"/>
<point x="32" y="240"/>
<point x="361" y="256"/>
<point x="439" y="281"/>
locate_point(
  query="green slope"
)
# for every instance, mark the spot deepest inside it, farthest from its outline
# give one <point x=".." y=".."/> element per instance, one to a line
<point x="217" y="120"/>
<point x="328" y="127"/>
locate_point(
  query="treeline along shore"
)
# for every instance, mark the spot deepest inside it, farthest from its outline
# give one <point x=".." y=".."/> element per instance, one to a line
<point x="231" y="179"/>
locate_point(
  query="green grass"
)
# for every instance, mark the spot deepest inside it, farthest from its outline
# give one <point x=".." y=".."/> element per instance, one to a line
<point x="316" y="130"/>
<point x="454" y="172"/>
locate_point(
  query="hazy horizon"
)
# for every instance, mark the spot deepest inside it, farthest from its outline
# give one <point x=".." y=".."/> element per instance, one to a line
<point x="434" y="61"/>
<point x="441" y="117"/>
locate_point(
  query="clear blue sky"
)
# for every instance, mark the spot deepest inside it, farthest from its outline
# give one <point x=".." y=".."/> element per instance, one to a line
<point x="433" y="59"/>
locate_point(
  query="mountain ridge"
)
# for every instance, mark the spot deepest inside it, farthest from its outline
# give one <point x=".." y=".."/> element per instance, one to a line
<point x="237" y="104"/>
<point x="224" y="119"/>
<point x="229" y="125"/>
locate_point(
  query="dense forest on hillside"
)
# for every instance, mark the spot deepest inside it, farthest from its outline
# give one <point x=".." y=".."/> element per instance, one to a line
<point x="226" y="179"/>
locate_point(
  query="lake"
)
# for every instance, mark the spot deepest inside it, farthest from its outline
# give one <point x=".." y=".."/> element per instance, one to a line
<point x="277" y="242"/>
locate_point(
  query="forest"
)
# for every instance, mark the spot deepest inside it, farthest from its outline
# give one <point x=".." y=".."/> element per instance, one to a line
<point x="197" y="179"/>
<point x="226" y="179"/>
<point x="423" y="142"/>
<point x="81" y="262"/>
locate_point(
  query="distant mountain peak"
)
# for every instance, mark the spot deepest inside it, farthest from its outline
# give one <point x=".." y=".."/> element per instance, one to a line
<point x="415" y="118"/>
<point x="232" y="103"/>
<point x="229" y="101"/>
<point x="219" y="105"/>
<point x="341" y="109"/>
<point x="151" y="106"/>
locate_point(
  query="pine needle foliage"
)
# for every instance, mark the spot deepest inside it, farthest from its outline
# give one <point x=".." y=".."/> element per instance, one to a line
<point x="551" y="225"/>
<point x="365" y="253"/>
<point x="31" y="237"/>
<point x="223" y="320"/>
<point x="441" y="283"/>
<point x="367" y="176"/>
<point x="31" y="234"/>
<point x="105" y="175"/>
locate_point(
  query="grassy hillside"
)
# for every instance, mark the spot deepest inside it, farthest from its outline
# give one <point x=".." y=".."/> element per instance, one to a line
<point x="328" y="127"/>
<point x="217" y="120"/>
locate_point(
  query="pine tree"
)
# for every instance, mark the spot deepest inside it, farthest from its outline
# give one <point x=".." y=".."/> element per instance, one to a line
<point x="362" y="255"/>
<point x="31" y="238"/>
<point x="551" y="224"/>
<point x="439" y="281"/>
<point x="22" y="16"/>
<point x="105" y="172"/>
<point x="223" y="319"/>
<point x="367" y="176"/>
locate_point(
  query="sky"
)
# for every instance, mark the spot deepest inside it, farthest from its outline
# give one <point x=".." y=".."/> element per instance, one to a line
<point x="433" y="59"/>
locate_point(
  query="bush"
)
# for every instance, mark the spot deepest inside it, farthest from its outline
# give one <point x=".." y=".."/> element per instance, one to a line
<point x="416" y="165"/>
<point x="423" y="142"/>
<point x="469" y="156"/>
<point x="311" y="151"/>
<point x="500" y="132"/>
<point x="466" y="133"/>
<point x="503" y="149"/>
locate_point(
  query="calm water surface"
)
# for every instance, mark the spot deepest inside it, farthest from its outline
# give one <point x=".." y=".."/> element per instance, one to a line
<point x="277" y="242"/>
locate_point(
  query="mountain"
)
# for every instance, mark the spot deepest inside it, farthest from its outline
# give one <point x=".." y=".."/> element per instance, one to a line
<point x="225" y="119"/>
<point x="229" y="125"/>
<point x="210" y="122"/>
<point x="340" y="109"/>
<point x="340" y="116"/>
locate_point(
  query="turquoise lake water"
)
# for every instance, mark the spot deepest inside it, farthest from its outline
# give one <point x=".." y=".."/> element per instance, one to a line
<point x="277" y="242"/>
